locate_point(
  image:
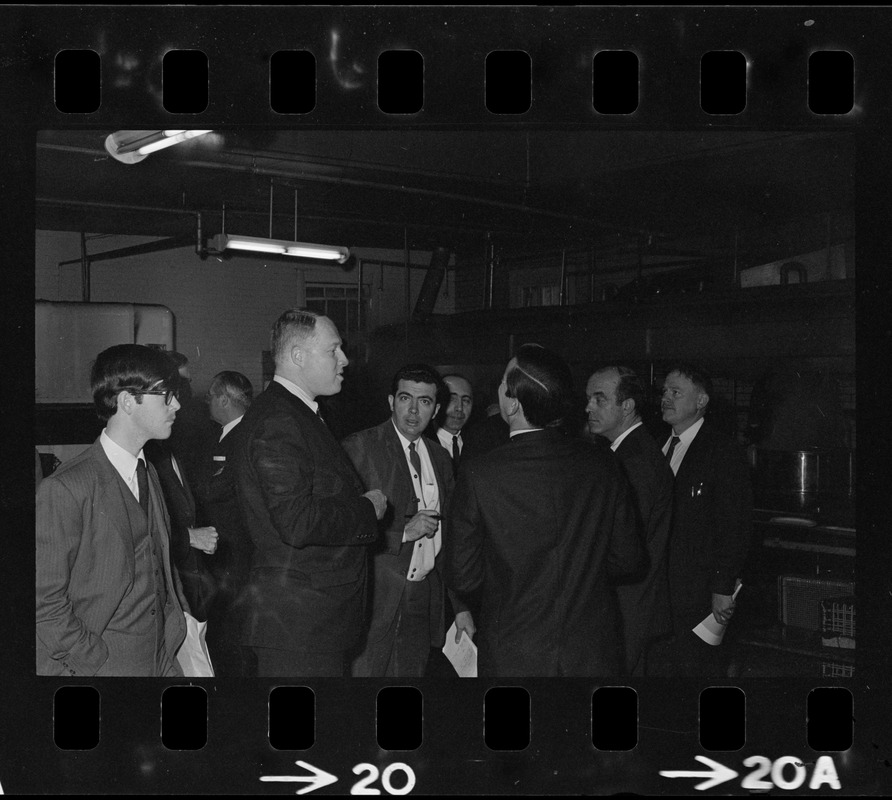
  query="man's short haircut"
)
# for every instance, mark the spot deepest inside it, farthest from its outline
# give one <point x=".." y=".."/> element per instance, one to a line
<point x="543" y="384"/>
<point x="694" y="373"/>
<point x="418" y="373"/>
<point x="295" y="323"/>
<point x="235" y="386"/>
<point x="129" y="366"/>
<point x="179" y="360"/>
<point x="629" y="386"/>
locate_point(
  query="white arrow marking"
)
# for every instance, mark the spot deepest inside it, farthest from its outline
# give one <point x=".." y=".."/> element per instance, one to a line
<point x="317" y="780"/>
<point x="718" y="773"/>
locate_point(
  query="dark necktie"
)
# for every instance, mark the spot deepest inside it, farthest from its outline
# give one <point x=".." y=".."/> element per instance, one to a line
<point x="142" y="483"/>
<point x="415" y="460"/>
<point x="456" y="455"/>
<point x="672" y="443"/>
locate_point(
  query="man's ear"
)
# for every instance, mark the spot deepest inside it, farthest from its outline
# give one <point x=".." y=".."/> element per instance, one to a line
<point x="125" y="402"/>
<point x="436" y="411"/>
<point x="628" y="406"/>
<point x="297" y="355"/>
<point x="390" y="400"/>
<point x="224" y="400"/>
<point x="702" y="400"/>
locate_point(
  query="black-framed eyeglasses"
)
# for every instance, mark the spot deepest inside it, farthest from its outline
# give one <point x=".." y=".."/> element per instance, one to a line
<point x="167" y="394"/>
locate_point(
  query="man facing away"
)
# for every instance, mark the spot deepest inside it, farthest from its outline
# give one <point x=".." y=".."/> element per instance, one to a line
<point x="304" y="507"/>
<point x="108" y="603"/>
<point x="538" y="526"/>
<point x="228" y="397"/>
<point x="407" y="611"/>
<point x="615" y="400"/>
<point x="711" y="523"/>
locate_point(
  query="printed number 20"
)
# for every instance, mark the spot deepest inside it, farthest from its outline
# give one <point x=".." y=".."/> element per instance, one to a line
<point x="824" y="772"/>
<point x="362" y="785"/>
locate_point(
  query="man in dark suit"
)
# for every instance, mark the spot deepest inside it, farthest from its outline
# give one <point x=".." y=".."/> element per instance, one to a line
<point x="189" y="542"/>
<point x="228" y="398"/>
<point x="108" y="603"/>
<point x="615" y="399"/>
<point x="407" y="610"/>
<point x="303" y="505"/>
<point x="711" y="522"/>
<point x="538" y="527"/>
<point x="455" y="416"/>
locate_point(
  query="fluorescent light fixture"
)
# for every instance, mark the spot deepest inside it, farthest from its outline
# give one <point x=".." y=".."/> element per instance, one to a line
<point x="224" y="241"/>
<point x="131" y="147"/>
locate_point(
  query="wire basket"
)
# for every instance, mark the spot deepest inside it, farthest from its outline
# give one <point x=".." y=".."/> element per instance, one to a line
<point x="799" y="599"/>
<point x="838" y="622"/>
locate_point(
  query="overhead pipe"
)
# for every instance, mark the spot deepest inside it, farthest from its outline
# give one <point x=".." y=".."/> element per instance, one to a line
<point x="85" y="269"/>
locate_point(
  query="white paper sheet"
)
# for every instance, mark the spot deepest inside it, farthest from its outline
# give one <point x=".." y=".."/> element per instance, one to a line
<point x="462" y="656"/>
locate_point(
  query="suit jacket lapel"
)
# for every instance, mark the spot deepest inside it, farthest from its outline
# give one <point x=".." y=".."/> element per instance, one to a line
<point x="693" y="455"/>
<point x="123" y="515"/>
<point x="401" y="477"/>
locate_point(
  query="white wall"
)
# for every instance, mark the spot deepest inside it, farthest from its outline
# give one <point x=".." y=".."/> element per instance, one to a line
<point x="223" y="310"/>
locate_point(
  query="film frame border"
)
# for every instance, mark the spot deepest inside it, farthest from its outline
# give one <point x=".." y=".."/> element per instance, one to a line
<point x="34" y="35"/>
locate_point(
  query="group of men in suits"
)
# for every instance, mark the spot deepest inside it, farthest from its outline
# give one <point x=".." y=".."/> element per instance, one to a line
<point x="693" y="499"/>
<point x="558" y="557"/>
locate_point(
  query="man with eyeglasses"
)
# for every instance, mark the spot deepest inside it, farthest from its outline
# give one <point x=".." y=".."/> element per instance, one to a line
<point x="108" y="603"/>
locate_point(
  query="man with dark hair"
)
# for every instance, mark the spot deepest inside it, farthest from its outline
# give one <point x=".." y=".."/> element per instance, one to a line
<point x="407" y="610"/>
<point x="538" y="526"/>
<point x="455" y="416"/>
<point x="228" y="397"/>
<point x="615" y="402"/>
<point x="303" y="505"/>
<point x="711" y="522"/>
<point x="108" y="603"/>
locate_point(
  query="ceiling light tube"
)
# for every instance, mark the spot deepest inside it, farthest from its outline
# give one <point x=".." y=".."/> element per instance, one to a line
<point x="131" y="147"/>
<point x="255" y="244"/>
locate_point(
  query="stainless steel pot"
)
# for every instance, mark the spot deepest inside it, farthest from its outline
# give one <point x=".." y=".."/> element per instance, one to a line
<point x="802" y="480"/>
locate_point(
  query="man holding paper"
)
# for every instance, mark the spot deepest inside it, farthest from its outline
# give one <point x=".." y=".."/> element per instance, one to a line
<point x="711" y="523"/>
<point x="539" y="525"/>
<point x="407" y="608"/>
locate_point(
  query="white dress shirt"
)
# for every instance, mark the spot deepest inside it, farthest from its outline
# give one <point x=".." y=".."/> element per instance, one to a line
<point x="424" y="550"/>
<point x="123" y="461"/>
<point x="445" y="438"/>
<point x="619" y="439"/>
<point x="297" y="392"/>
<point x="685" y="439"/>
<point x="231" y="424"/>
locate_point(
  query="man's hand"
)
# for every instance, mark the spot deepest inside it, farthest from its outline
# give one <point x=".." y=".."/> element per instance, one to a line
<point x="204" y="539"/>
<point x="424" y="523"/>
<point x="379" y="501"/>
<point x="464" y="622"/>
<point x="723" y="606"/>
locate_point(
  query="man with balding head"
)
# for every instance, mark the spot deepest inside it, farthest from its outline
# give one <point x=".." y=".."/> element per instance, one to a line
<point x="305" y="510"/>
<point x="538" y="526"/>
<point x="228" y="398"/>
<point x="615" y="400"/>
<point x="455" y="416"/>
<point x="711" y="523"/>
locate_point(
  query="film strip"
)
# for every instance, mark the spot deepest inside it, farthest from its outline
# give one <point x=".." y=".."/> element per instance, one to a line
<point x="492" y="69"/>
